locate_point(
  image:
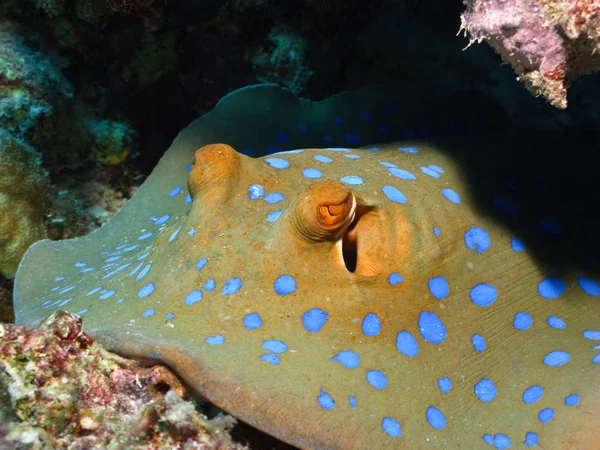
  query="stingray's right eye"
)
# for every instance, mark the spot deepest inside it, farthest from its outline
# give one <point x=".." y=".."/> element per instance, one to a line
<point x="323" y="211"/>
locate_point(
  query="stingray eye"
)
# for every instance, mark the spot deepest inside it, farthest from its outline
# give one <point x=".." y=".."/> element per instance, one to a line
<point x="323" y="211"/>
<point x="214" y="169"/>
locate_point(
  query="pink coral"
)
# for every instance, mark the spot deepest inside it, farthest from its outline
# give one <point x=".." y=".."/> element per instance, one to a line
<point x="68" y="392"/>
<point x="549" y="43"/>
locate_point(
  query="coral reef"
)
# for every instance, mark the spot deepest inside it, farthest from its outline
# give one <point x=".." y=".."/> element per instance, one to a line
<point x="62" y="390"/>
<point x="549" y="43"/>
<point x="23" y="201"/>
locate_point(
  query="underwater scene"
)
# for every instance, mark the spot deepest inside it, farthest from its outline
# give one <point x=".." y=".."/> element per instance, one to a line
<point x="299" y="224"/>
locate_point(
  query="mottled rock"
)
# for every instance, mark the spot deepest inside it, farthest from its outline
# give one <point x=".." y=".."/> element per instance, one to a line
<point x="59" y="389"/>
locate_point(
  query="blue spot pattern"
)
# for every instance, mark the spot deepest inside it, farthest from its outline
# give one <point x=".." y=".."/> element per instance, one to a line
<point x="531" y="439"/>
<point x="407" y="344"/>
<point x="445" y="384"/>
<point x="391" y="427"/>
<point x="532" y="394"/>
<point x="377" y="379"/>
<point x="485" y="390"/>
<point x="314" y="319"/>
<point x="477" y="238"/>
<point x="395" y="278"/>
<point x="435" y="418"/>
<point x="371" y="325"/>
<point x="438" y="286"/>
<point x="284" y="285"/>
<point x="552" y="288"/>
<point x="252" y="321"/>
<point x="325" y="400"/>
<point x="348" y="359"/>
<point x="232" y="286"/>
<point x="522" y="321"/>
<point x="431" y="327"/>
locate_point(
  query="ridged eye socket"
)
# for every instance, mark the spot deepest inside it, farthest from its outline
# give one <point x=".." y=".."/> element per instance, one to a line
<point x="323" y="211"/>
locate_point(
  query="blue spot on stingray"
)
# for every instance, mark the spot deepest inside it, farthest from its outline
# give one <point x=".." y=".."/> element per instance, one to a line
<point x="438" y="169"/>
<point x="188" y="199"/>
<point x="522" y="321"/>
<point x="445" y="384"/>
<point x="571" y="400"/>
<point x="325" y="400"/>
<point x="394" y="194"/>
<point x="352" y="179"/>
<point x="149" y="312"/>
<point x="377" y="379"/>
<point x="170" y="316"/>
<point x="80" y="264"/>
<point x="387" y="164"/>
<point x="277" y="163"/>
<point x="352" y="138"/>
<point x="436" y="231"/>
<point x="192" y="232"/>
<point x="546" y="415"/>
<point x="505" y="204"/>
<point x="532" y="394"/>
<point x="408" y="149"/>
<point x="477" y="237"/>
<point x="93" y="291"/>
<point x="113" y="258"/>
<point x="314" y="319"/>
<point x="500" y="441"/>
<point x="146" y="290"/>
<point x="255" y="191"/>
<point x="131" y="248"/>
<point x="285" y="284"/>
<point x="117" y="270"/>
<point x="402" y="174"/>
<point x="556" y="358"/>
<point x="87" y="269"/>
<point x="82" y="312"/>
<point x="274" y="197"/>
<point x="531" y="439"/>
<point x="438" y="286"/>
<point x="301" y="128"/>
<point x="188" y="166"/>
<point x="121" y="300"/>
<point x="143" y="273"/>
<point x="107" y="294"/>
<point x="451" y="195"/>
<point x="312" y="173"/>
<point x="67" y="289"/>
<point x="596" y="359"/>
<point x="231" y="286"/>
<point x="270" y="358"/>
<point x="351" y="156"/>
<point x="551" y="288"/>
<point x="593" y="335"/>
<point x="407" y="344"/>
<point x="55" y="288"/>
<point x="323" y="159"/>
<point x="274" y="346"/>
<point x="485" y="390"/>
<point x="174" y="234"/>
<point x="394" y="278"/>
<point x="431" y="327"/>
<point x="551" y="225"/>
<point x="134" y="271"/>
<point x="556" y="322"/>
<point x="59" y="278"/>
<point x="391" y="427"/>
<point x="162" y="219"/>
<point x="145" y="236"/>
<point x="517" y="245"/>
<point x="273" y="216"/>
<point x="590" y="287"/>
<point x="352" y="401"/>
<point x="176" y="191"/>
<point x="252" y="321"/>
<point x="430" y="172"/>
<point x="371" y="325"/>
<point x="282" y="137"/>
<point x="435" y="418"/>
<point x="348" y="359"/>
<point x="193" y="297"/>
<point x="215" y="340"/>
<point x="483" y="294"/>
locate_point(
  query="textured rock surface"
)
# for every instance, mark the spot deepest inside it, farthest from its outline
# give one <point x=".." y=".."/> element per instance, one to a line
<point x="548" y="43"/>
<point x="58" y="389"/>
<point x="22" y="201"/>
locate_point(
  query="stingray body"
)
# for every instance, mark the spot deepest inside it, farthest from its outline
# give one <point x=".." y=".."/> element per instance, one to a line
<point x="337" y="297"/>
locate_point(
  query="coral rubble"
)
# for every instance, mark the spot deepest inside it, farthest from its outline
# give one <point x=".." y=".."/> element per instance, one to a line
<point x="549" y="43"/>
<point x="59" y="389"/>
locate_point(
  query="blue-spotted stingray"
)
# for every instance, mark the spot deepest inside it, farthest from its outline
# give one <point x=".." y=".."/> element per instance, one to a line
<point x="339" y="297"/>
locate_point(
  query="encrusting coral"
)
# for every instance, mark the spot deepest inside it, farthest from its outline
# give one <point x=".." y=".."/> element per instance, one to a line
<point x="62" y="390"/>
<point x="548" y="43"/>
<point x="22" y="201"/>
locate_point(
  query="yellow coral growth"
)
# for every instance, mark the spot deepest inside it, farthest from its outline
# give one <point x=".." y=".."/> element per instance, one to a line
<point x="22" y="201"/>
